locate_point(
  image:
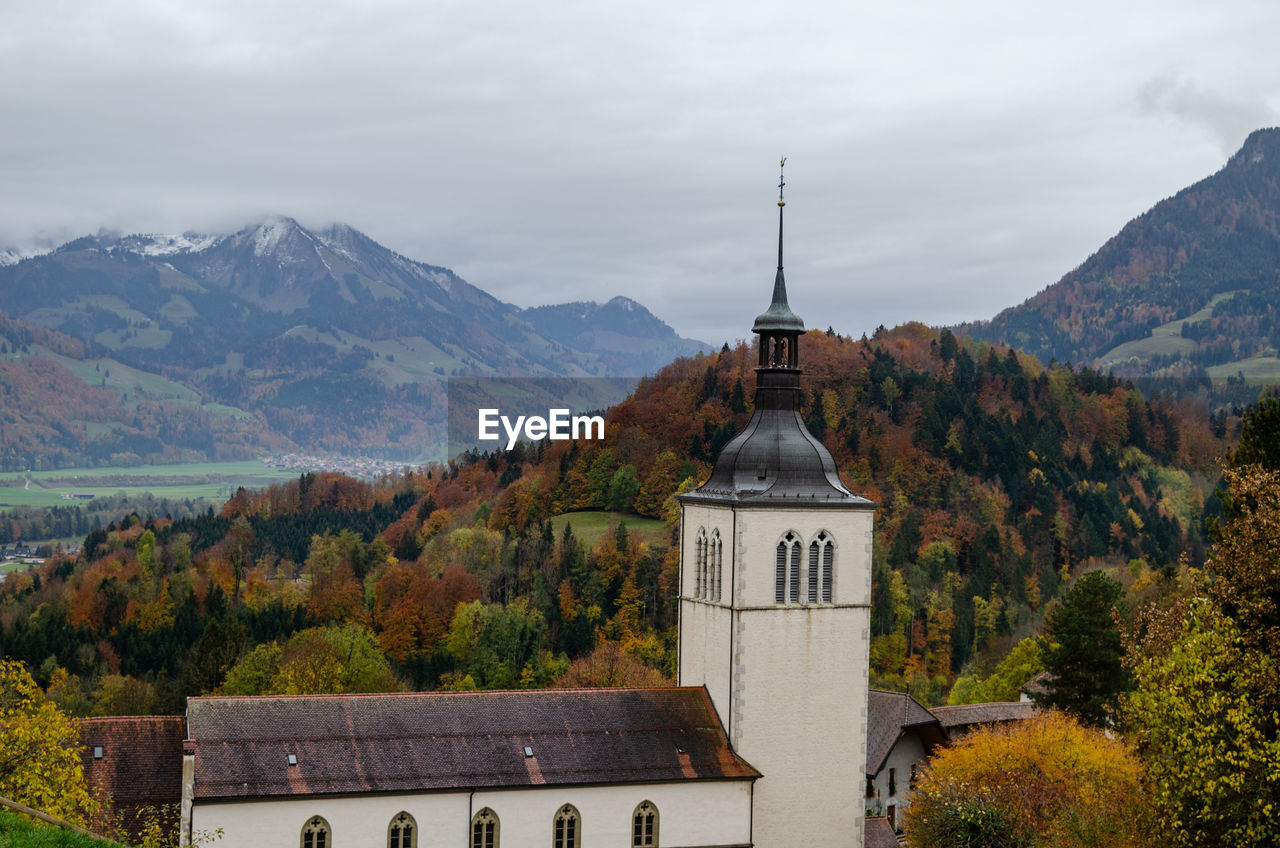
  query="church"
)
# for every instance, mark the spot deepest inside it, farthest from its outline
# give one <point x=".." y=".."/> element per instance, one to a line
<point x="762" y="743"/>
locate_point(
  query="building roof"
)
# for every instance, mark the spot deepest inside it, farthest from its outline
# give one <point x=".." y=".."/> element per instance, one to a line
<point x="965" y="715"/>
<point x="140" y="766"/>
<point x="889" y="715"/>
<point x="776" y="461"/>
<point x="1041" y="684"/>
<point x="778" y="317"/>
<point x="878" y="833"/>
<point x="435" y="741"/>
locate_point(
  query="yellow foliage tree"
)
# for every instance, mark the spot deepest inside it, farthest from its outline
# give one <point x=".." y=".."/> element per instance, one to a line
<point x="39" y="761"/>
<point x="1043" y="782"/>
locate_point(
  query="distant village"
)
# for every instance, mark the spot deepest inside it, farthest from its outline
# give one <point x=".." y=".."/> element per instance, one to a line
<point x="352" y="466"/>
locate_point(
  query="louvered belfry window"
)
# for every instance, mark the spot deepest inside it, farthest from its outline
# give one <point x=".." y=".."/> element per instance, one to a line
<point x="700" y="564"/>
<point x="828" y="567"/>
<point x="787" y="576"/>
<point x="821" y="565"/>
<point x="716" y="558"/>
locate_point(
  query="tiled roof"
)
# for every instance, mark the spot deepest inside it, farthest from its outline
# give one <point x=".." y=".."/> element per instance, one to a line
<point x="969" y="714"/>
<point x="425" y="741"/>
<point x="878" y="833"/>
<point x="141" y="765"/>
<point x="1041" y="684"/>
<point x="888" y="715"/>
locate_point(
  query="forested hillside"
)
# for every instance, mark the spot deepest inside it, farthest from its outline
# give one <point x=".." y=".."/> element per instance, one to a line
<point x="1207" y="258"/>
<point x="997" y="477"/>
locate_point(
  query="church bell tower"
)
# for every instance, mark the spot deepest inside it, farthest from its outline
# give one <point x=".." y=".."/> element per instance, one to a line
<point x="775" y="592"/>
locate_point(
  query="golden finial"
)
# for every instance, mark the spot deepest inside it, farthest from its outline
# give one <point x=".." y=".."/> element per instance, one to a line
<point x="781" y="182"/>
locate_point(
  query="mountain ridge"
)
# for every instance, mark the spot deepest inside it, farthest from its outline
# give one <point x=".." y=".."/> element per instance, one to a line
<point x="325" y="337"/>
<point x="1217" y="237"/>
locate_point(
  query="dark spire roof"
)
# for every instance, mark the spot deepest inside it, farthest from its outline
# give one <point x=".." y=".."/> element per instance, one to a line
<point x="776" y="460"/>
<point x="779" y="315"/>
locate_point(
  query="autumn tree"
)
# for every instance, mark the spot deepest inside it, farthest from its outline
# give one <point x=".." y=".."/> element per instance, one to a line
<point x="39" y="761"/>
<point x="1047" y="782"/>
<point x="610" y="666"/>
<point x="1007" y="679"/>
<point x="1208" y="743"/>
<point x="316" y="661"/>
<point x="497" y="647"/>
<point x="1084" y="654"/>
<point x="1206" y="711"/>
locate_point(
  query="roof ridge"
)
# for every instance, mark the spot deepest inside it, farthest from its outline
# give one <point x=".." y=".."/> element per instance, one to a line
<point x="438" y="693"/>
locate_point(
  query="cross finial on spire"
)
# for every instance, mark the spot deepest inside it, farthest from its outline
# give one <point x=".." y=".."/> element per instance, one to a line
<point x="782" y="182"/>
<point x="779" y="316"/>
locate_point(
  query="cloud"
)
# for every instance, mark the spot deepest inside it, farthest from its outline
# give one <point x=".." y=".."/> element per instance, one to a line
<point x="1229" y="119"/>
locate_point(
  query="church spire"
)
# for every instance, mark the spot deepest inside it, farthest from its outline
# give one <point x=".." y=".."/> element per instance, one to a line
<point x="775" y="459"/>
<point x="779" y="317"/>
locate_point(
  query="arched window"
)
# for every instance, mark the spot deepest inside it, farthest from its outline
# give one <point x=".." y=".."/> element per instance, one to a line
<point x="828" y="566"/>
<point x="700" y="564"/>
<point x="787" y="578"/>
<point x="715" y="557"/>
<point x="821" y="560"/>
<point x="644" y="826"/>
<point x="566" y="828"/>
<point x="484" y="829"/>
<point x="315" y="833"/>
<point x="403" y="832"/>
<point x="813" y="572"/>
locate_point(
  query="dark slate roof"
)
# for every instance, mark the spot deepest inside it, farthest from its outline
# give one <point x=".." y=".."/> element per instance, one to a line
<point x="778" y="317"/>
<point x="889" y="714"/>
<point x="141" y="764"/>
<point x="964" y="715"/>
<point x="464" y="740"/>
<point x="878" y="833"/>
<point x="776" y="461"/>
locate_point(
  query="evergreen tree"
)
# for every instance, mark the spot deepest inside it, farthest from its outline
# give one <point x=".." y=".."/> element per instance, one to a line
<point x="1084" y="651"/>
<point x="1260" y="436"/>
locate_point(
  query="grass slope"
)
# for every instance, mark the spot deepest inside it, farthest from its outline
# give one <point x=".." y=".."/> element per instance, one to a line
<point x="591" y="526"/>
<point x="1165" y="339"/>
<point x="19" y="832"/>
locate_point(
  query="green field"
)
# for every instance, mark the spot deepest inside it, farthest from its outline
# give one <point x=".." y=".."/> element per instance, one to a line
<point x="1165" y="339"/>
<point x="591" y="526"/>
<point x="1261" y="370"/>
<point x="212" y="480"/>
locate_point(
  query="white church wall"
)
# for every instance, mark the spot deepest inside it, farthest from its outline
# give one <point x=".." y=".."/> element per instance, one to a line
<point x="800" y="694"/>
<point x="693" y="813"/>
<point x="796" y="707"/>
<point x="706" y="627"/>
<point x="800" y="719"/>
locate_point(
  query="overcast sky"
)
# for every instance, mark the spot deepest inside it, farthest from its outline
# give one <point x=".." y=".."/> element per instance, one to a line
<point x="945" y="159"/>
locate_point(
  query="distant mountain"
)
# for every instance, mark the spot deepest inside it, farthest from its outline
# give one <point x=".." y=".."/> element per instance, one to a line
<point x="616" y="331"/>
<point x="1192" y="284"/>
<point x="320" y="339"/>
